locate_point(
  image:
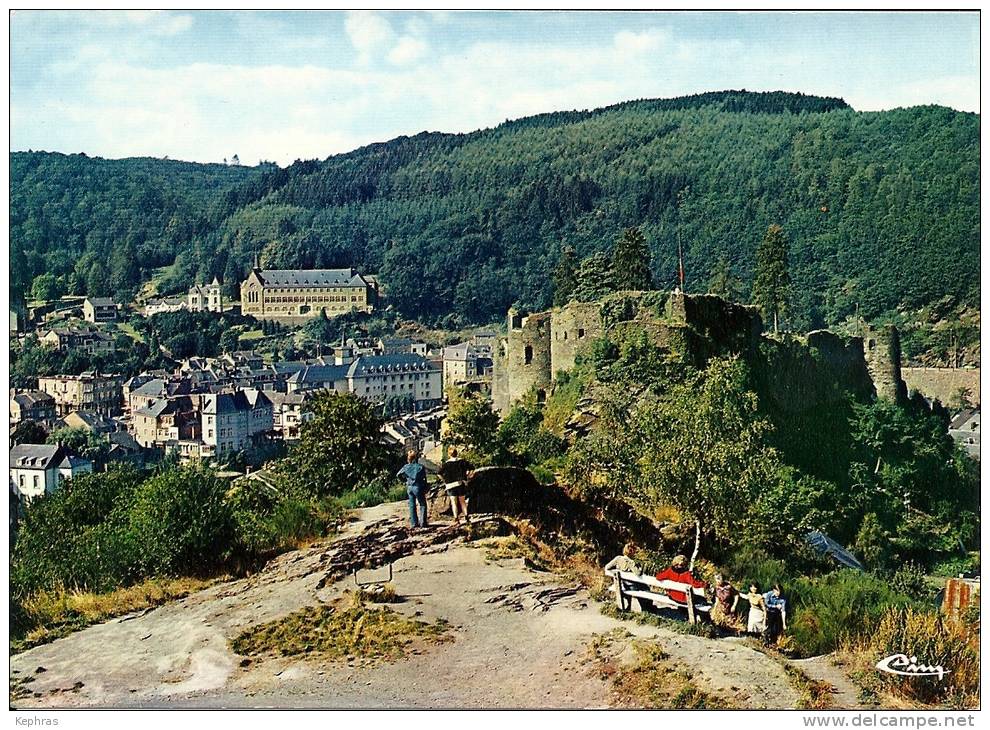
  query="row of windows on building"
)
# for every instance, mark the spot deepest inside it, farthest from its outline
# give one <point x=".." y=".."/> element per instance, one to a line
<point x="369" y="388"/>
<point x="37" y="483"/>
<point x="311" y="300"/>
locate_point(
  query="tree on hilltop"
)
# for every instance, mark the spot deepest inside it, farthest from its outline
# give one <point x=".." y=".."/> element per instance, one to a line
<point x="722" y="282"/>
<point x="772" y="288"/>
<point x="631" y="262"/>
<point x="565" y="277"/>
<point x="595" y="278"/>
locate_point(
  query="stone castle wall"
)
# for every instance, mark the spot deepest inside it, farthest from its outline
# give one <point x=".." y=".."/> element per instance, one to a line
<point x="694" y="328"/>
<point x="882" y="350"/>
<point x="522" y="360"/>
<point x="572" y="329"/>
<point x="943" y="384"/>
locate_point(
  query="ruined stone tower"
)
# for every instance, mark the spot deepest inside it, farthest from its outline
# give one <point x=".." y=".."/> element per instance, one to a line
<point x="882" y="350"/>
<point x="522" y="360"/>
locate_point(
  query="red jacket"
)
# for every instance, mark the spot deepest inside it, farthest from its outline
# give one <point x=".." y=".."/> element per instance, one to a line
<point x="685" y="577"/>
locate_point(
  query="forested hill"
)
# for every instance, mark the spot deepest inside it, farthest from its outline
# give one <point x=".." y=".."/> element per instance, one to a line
<point x="102" y="225"/>
<point x="882" y="209"/>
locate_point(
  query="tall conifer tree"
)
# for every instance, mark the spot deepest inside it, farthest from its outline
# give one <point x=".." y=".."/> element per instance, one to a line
<point x="772" y="285"/>
<point x="565" y="277"/>
<point x="631" y="262"/>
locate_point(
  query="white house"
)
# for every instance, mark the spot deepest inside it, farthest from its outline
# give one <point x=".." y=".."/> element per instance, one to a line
<point x="207" y="298"/>
<point x="37" y="469"/>
<point x="965" y="430"/>
<point x="232" y="421"/>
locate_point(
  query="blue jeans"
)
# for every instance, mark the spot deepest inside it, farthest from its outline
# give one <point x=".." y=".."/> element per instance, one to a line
<point x="414" y="497"/>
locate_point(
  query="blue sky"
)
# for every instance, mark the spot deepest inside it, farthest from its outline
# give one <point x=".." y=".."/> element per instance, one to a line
<point x="281" y="86"/>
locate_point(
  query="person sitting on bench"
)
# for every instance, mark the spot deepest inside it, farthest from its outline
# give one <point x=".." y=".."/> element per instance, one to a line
<point x="679" y="573"/>
<point x="624" y="563"/>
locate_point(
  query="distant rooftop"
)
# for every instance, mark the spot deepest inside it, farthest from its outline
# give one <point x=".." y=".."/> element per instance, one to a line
<point x="288" y="278"/>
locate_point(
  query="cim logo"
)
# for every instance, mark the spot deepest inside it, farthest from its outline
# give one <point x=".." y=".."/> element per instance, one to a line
<point x="908" y="667"/>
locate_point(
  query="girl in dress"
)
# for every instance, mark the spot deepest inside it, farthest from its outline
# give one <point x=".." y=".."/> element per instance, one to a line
<point x="757" y="623"/>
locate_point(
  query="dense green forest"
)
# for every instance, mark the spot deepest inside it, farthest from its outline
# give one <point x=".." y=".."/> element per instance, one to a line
<point x="881" y="209"/>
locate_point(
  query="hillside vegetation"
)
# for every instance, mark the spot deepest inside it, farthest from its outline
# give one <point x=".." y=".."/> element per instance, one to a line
<point x="882" y="209"/>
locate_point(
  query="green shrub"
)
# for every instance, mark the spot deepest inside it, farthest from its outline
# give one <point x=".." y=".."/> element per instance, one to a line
<point x="910" y="580"/>
<point x="72" y="537"/>
<point x="952" y="567"/>
<point x="750" y="565"/>
<point x="181" y="522"/>
<point x="376" y="492"/>
<point x="873" y="544"/>
<point x="825" y="610"/>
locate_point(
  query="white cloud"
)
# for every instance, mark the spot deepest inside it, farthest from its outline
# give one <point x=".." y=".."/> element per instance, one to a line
<point x="157" y="22"/>
<point x="407" y="50"/>
<point x="367" y="32"/>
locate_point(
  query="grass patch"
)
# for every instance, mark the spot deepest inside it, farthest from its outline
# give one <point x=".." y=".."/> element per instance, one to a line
<point x="348" y="630"/>
<point x="50" y="615"/>
<point x="251" y="335"/>
<point x="508" y="548"/>
<point x="815" y="693"/>
<point x="651" y="680"/>
<point x="371" y="495"/>
<point x="129" y="330"/>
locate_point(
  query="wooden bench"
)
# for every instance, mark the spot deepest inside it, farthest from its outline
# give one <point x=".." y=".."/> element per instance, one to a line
<point x="632" y="591"/>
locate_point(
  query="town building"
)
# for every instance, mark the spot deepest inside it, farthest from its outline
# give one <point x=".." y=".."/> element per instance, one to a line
<point x="377" y="377"/>
<point x="38" y="469"/>
<point x="295" y="294"/>
<point x="99" y="309"/>
<point x="91" y="342"/>
<point x="207" y="298"/>
<point x="87" y="421"/>
<point x="466" y="363"/>
<point x="166" y="421"/>
<point x="401" y="346"/>
<point x="289" y="413"/>
<point x="153" y="390"/>
<point x="162" y="306"/>
<point x="318" y="377"/>
<point x="89" y="391"/>
<point x="233" y="421"/>
<point x="32" y="405"/>
<point x="965" y="430"/>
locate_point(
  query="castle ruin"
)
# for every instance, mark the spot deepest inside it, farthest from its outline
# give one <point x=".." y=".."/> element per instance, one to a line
<point x="692" y="327"/>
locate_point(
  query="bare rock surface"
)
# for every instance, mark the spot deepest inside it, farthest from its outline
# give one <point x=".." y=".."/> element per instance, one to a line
<point x="520" y="638"/>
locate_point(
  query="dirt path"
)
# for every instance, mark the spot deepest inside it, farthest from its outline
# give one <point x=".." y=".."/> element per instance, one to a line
<point x="845" y="695"/>
<point x="520" y="640"/>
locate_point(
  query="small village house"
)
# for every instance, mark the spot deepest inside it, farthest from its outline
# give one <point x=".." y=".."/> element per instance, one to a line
<point x="99" y="309"/>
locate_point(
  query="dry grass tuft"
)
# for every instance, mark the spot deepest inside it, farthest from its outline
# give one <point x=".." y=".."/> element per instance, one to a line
<point x="348" y="630"/>
<point x="935" y="640"/>
<point x="650" y="680"/>
<point x="53" y="614"/>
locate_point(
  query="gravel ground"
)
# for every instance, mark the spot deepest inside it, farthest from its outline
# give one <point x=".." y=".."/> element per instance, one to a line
<point x="520" y="639"/>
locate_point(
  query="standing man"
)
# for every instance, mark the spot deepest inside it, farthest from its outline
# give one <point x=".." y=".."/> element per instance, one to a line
<point x="414" y="475"/>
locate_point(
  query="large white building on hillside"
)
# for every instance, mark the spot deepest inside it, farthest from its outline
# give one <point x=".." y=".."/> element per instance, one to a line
<point x="287" y="294"/>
